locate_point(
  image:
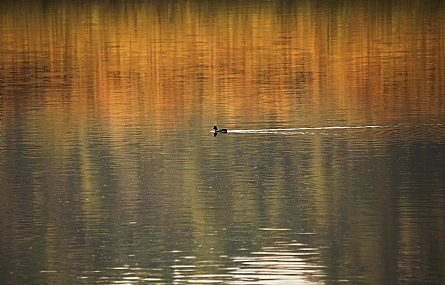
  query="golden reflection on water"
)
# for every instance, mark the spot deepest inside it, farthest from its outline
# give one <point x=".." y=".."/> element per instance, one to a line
<point x="132" y="60"/>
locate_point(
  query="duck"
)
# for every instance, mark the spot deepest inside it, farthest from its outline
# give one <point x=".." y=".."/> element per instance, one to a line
<point x="216" y="130"/>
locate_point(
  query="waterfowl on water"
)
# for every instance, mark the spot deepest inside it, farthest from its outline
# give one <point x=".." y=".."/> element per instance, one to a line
<point x="216" y="130"/>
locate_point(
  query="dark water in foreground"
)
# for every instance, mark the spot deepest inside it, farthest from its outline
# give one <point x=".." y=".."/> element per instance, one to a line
<point x="332" y="172"/>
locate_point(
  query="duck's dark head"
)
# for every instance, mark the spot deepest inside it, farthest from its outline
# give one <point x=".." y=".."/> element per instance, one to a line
<point x="215" y="128"/>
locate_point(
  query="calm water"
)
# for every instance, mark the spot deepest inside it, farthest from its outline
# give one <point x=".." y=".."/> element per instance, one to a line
<point x="333" y="170"/>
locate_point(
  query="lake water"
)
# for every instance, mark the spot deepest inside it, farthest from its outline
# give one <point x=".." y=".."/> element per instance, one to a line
<point x="332" y="171"/>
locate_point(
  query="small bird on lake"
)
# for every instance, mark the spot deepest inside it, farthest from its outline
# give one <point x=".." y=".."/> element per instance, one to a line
<point x="216" y="131"/>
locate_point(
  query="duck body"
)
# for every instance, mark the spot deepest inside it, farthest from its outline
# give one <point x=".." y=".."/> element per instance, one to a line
<point x="216" y="130"/>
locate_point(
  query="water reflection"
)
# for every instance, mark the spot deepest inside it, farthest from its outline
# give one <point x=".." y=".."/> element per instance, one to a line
<point x="284" y="263"/>
<point x="332" y="169"/>
<point x="273" y="266"/>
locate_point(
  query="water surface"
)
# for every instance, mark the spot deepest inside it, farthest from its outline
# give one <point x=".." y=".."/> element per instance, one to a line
<point x="332" y="171"/>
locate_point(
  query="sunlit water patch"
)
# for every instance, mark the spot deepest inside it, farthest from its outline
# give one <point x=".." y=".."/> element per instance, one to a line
<point x="283" y="263"/>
